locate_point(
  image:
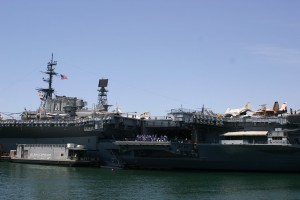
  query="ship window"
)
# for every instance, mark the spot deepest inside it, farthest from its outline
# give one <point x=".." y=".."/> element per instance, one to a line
<point x="62" y="154"/>
<point x="277" y="138"/>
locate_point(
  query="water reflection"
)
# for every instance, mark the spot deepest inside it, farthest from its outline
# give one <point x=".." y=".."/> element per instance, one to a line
<point x="52" y="182"/>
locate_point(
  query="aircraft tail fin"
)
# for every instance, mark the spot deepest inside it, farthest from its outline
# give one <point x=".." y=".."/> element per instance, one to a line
<point x="276" y="106"/>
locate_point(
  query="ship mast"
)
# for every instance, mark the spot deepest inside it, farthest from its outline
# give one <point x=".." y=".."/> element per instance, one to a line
<point x="102" y="95"/>
<point x="47" y="92"/>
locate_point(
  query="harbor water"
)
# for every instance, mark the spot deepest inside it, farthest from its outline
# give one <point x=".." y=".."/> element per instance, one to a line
<point x="26" y="181"/>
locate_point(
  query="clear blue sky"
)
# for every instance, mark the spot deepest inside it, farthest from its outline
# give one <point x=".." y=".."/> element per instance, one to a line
<point x="157" y="55"/>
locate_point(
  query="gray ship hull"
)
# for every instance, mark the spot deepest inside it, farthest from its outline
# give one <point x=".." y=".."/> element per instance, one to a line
<point x="217" y="157"/>
<point x="86" y="132"/>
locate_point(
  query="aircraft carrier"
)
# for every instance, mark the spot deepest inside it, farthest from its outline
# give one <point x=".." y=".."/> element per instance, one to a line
<point x="239" y="139"/>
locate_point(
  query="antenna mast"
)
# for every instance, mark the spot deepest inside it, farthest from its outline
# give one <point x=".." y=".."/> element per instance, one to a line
<point x="47" y="92"/>
<point x="102" y="96"/>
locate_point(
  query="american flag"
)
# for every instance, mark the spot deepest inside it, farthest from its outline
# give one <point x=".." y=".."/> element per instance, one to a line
<point x="63" y="77"/>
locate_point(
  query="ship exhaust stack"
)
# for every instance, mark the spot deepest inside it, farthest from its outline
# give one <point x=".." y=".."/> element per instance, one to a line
<point x="102" y="95"/>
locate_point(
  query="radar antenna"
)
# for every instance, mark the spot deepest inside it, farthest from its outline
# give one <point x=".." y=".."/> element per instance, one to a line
<point x="102" y="95"/>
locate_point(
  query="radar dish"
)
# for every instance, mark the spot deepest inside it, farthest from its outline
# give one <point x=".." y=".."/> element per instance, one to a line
<point x="103" y="83"/>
